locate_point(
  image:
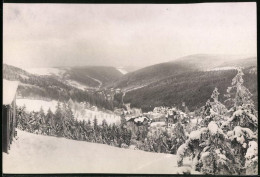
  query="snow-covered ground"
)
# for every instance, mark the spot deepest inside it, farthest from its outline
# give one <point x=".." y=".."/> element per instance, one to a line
<point x="35" y="105"/>
<point x="33" y="153"/>
<point x="87" y="114"/>
<point x="222" y="68"/>
<point x="122" y="70"/>
<point x="91" y="115"/>
<point x="76" y="84"/>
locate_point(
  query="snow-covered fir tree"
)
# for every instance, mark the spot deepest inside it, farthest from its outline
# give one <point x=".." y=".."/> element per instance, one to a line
<point x="243" y="123"/>
<point x="238" y="95"/>
<point x="252" y="158"/>
<point x="210" y="151"/>
<point x="213" y="110"/>
<point x="178" y="137"/>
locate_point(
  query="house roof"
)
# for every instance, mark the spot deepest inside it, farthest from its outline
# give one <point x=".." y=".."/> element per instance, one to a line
<point x="9" y="91"/>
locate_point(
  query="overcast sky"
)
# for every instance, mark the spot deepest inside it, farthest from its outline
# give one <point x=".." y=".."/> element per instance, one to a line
<point x="42" y="35"/>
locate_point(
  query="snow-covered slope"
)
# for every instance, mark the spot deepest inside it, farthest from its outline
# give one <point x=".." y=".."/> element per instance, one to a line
<point x="222" y="68"/>
<point x="99" y="115"/>
<point x="33" y="153"/>
<point x="80" y="114"/>
<point x="122" y="70"/>
<point x="35" y="105"/>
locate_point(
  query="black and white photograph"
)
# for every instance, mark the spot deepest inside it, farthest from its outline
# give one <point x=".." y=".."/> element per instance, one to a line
<point x="130" y="88"/>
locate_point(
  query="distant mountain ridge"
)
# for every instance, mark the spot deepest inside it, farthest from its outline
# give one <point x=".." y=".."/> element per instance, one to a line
<point x="52" y="87"/>
<point x="189" y="79"/>
<point x="81" y="76"/>
<point x="191" y="63"/>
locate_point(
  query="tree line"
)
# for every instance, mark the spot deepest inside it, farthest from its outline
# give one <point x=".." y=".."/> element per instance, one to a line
<point x="61" y="123"/>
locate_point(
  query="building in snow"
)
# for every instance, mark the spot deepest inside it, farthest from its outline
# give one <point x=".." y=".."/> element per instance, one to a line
<point x="8" y="115"/>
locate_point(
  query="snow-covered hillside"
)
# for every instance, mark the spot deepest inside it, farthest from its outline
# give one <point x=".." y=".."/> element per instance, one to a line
<point x="99" y="115"/>
<point x="79" y="114"/>
<point x="222" y="68"/>
<point x="33" y="153"/>
<point x="76" y="84"/>
<point x="122" y="70"/>
<point x="35" y="105"/>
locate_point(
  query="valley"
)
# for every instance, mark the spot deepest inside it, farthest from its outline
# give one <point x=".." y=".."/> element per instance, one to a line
<point x="162" y="109"/>
<point x="136" y="89"/>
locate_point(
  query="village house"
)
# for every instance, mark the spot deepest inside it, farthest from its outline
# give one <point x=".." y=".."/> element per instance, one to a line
<point x="9" y="114"/>
<point x="134" y="123"/>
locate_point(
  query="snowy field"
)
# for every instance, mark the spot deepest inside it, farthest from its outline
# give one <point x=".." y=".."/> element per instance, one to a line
<point x="33" y="153"/>
<point x="87" y="114"/>
<point x="91" y="115"/>
<point x="76" y="84"/>
<point x="222" y="68"/>
<point x="122" y="70"/>
<point x="35" y="105"/>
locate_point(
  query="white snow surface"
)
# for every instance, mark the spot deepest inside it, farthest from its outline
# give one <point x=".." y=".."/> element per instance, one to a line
<point x="252" y="151"/>
<point x="33" y="153"/>
<point x="223" y="68"/>
<point x="214" y="129"/>
<point x="76" y="84"/>
<point x="35" y="105"/>
<point x="240" y="134"/>
<point x="181" y="150"/>
<point x="195" y="135"/>
<point x="221" y="156"/>
<point x="99" y="115"/>
<point x="240" y="113"/>
<point x="122" y="70"/>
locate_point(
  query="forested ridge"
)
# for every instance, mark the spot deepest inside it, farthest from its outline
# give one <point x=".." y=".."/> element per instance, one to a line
<point x="193" y="88"/>
<point x="48" y="87"/>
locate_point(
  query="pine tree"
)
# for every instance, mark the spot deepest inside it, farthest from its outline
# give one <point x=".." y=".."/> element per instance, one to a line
<point x="50" y="122"/>
<point x="178" y="137"/>
<point x="42" y="124"/>
<point x="123" y="121"/>
<point x="206" y="114"/>
<point x="213" y="111"/>
<point x="210" y="151"/>
<point x="95" y="123"/>
<point x="42" y="115"/>
<point x="58" y="119"/>
<point x="238" y="95"/>
<point x="243" y="123"/>
<point x="217" y="106"/>
<point x="89" y="123"/>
